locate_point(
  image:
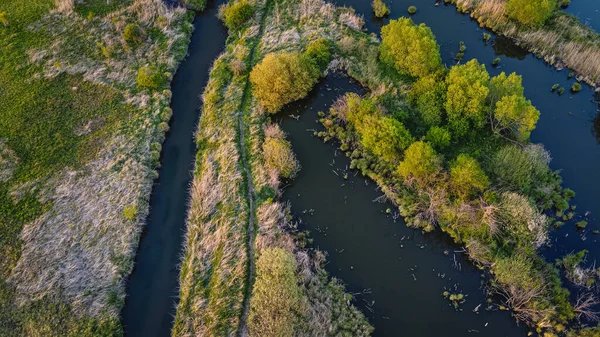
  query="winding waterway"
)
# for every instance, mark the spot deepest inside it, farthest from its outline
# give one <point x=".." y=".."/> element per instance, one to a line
<point x="397" y="273"/>
<point x="152" y="289"/>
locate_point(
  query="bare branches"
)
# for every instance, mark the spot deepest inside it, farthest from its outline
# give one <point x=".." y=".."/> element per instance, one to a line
<point x="585" y="307"/>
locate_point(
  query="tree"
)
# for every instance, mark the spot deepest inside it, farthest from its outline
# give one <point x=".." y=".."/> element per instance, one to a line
<point x="148" y="76"/>
<point x="275" y="294"/>
<point x="421" y="163"/>
<point x="320" y="52"/>
<point x="282" y="78"/>
<point x="516" y="115"/>
<point x="134" y="34"/>
<point x="428" y="94"/>
<point x="411" y="49"/>
<point x="503" y="85"/>
<point x="438" y="137"/>
<point x="530" y="12"/>
<point x="467" y="178"/>
<point x="466" y="95"/>
<point x="384" y="136"/>
<point x="236" y="15"/>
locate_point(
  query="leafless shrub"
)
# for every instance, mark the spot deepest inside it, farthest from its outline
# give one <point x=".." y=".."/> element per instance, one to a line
<point x="351" y="20"/>
<point x="519" y="299"/>
<point x="274" y="131"/>
<point x="585" y="307"/>
<point x="65" y="6"/>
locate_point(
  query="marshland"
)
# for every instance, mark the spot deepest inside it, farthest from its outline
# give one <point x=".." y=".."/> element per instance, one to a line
<point x="291" y="167"/>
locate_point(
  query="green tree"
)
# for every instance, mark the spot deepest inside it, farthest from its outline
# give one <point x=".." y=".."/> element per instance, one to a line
<point x="421" y="163"/>
<point x="467" y="178"/>
<point x="530" y="12"/>
<point x="516" y="115"/>
<point x="411" y="49"/>
<point x="384" y="136"/>
<point x="519" y="169"/>
<point x="320" y="52"/>
<point x="282" y="78"/>
<point x="466" y="95"/>
<point x="237" y="14"/>
<point x="439" y="137"/>
<point x="428" y="94"/>
<point x="275" y="294"/>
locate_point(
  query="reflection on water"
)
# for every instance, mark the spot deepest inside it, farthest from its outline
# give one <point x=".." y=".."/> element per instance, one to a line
<point x="505" y="46"/>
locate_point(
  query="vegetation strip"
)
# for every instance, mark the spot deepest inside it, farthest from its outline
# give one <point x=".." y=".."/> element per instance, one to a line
<point x="85" y="91"/>
<point x="544" y="30"/>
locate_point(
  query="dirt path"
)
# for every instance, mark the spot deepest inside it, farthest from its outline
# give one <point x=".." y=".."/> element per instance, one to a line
<point x="243" y="328"/>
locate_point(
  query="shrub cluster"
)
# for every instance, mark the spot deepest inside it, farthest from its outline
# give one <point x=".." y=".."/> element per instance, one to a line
<point x="235" y="15"/>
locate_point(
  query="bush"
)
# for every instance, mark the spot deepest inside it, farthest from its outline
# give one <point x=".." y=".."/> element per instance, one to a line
<point x="519" y="170"/>
<point x="409" y="48"/>
<point x="149" y="77"/>
<point x="279" y="155"/>
<point x="576" y="87"/>
<point x="380" y="9"/>
<point x="237" y="14"/>
<point x="134" y="34"/>
<point x="276" y="295"/>
<point x="320" y="52"/>
<point x="282" y="78"/>
<point x="412" y="10"/>
<point x="530" y="12"/>
<point x="129" y="212"/>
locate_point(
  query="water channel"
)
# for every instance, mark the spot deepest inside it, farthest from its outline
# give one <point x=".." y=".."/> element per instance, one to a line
<point x="152" y="289"/>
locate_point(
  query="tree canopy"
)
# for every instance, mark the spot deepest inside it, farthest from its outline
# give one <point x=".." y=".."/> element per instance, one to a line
<point x="467" y="178"/>
<point x="420" y="163"/>
<point x="466" y="95"/>
<point x="282" y="78"/>
<point x="516" y="115"/>
<point x="428" y="94"/>
<point x="411" y="49"/>
<point x="530" y="12"/>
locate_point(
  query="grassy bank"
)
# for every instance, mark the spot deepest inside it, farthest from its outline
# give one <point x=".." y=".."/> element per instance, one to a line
<point x="556" y="36"/>
<point x="85" y="96"/>
<point x="450" y="148"/>
<point x="244" y="267"/>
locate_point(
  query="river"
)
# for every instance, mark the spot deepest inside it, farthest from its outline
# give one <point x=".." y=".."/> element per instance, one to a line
<point x="405" y="272"/>
<point x="153" y="287"/>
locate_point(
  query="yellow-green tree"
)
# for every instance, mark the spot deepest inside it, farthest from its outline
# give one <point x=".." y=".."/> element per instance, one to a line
<point x="275" y="295"/>
<point x="516" y="115"/>
<point x="530" y="12"/>
<point x="421" y="163"/>
<point x="282" y="78"/>
<point x="428" y="95"/>
<point x="384" y="136"/>
<point x="279" y="155"/>
<point x="467" y="178"/>
<point x="503" y="85"/>
<point x="410" y="48"/>
<point x="466" y="96"/>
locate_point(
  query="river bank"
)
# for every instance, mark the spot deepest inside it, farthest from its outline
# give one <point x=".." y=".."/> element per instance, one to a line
<point x="85" y="90"/>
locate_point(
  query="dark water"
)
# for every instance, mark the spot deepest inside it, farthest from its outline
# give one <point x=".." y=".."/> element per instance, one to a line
<point x="152" y="289"/>
<point x="374" y="255"/>
<point x="588" y="12"/>
<point x="399" y="273"/>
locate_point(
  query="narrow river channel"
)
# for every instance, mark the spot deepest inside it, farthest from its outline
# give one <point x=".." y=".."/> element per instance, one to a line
<point x="397" y="273"/>
<point x="152" y="289"/>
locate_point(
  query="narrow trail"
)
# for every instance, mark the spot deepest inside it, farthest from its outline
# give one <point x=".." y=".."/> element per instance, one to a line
<point x="243" y="328"/>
